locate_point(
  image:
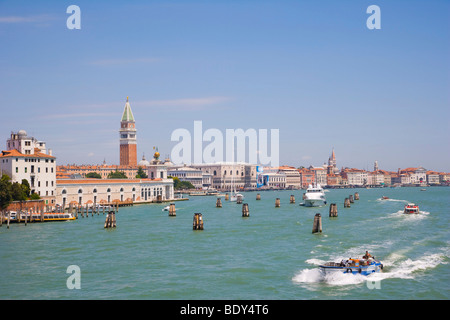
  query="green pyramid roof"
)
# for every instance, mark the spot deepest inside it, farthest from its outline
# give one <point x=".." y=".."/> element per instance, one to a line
<point x="127" y="114"/>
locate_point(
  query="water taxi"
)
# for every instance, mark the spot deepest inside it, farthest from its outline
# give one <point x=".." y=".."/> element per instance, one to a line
<point x="411" y="208"/>
<point x="353" y="266"/>
<point x="314" y="196"/>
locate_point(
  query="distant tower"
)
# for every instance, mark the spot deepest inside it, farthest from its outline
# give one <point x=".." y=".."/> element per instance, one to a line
<point x="128" y="152"/>
<point x="375" y="166"/>
<point x="332" y="163"/>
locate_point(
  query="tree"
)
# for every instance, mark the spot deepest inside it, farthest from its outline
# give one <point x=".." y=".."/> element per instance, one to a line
<point x="5" y="192"/>
<point x="17" y="192"/>
<point x="94" y="175"/>
<point x="141" y="174"/>
<point x="178" y="184"/>
<point x="26" y="187"/>
<point x="117" y="175"/>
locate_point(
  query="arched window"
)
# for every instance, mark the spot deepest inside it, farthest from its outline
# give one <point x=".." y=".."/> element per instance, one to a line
<point x="80" y="191"/>
<point x="64" y="191"/>
<point x="237" y="172"/>
<point x="95" y="190"/>
<point x="109" y="190"/>
<point x="121" y="189"/>
<point x="225" y="173"/>
<point x="215" y="173"/>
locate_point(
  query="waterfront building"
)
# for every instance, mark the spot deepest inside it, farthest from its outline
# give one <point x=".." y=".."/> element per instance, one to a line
<point x="226" y="175"/>
<point x="128" y="145"/>
<point x="433" y="178"/>
<point x="320" y="175"/>
<point x="416" y="175"/>
<point x="375" y="178"/>
<point x="108" y="191"/>
<point x="23" y="159"/>
<point x="72" y="171"/>
<point x="192" y="175"/>
<point x="275" y="180"/>
<point x="334" y="180"/>
<point x="355" y="177"/>
<point x="307" y="177"/>
<point x="292" y="176"/>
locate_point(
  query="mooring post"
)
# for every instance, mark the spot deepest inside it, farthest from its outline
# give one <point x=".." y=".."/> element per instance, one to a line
<point x="9" y="217"/>
<point x="292" y="199"/>
<point x="277" y="202"/>
<point x="218" y="203"/>
<point x="347" y="203"/>
<point x="333" y="210"/>
<point x="258" y="196"/>
<point x="227" y="197"/>
<point x="172" y="211"/>
<point x="350" y="197"/>
<point x="317" y="226"/>
<point x="198" y="222"/>
<point x="239" y="199"/>
<point x="356" y="196"/>
<point x="245" y="210"/>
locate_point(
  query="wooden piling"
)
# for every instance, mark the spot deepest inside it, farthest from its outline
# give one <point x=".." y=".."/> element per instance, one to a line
<point x="347" y="203"/>
<point x="333" y="210"/>
<point x="198" y="222"/>
<point x="317" y="226"/>
<point x="172" y="211"/>
<point x="350" y="197"/>
<point x="292" y="199"/>
<point x="227" y="197"/>
<point x="258" y="196"/>
<point x="9" y="218"/>
<point x="356" y="196"/>
<point x="245" y="210"/>
<point x="277" y="203"/>
<point x="110" y="221"/>
<point x="239" y="199"/>
<point x="218" y="203"/>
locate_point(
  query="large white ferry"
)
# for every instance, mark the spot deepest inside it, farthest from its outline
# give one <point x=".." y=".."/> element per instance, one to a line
<point x="314" y="196"/>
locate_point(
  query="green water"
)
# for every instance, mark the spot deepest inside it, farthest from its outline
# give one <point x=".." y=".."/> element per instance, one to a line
<point x="270" y="255"/>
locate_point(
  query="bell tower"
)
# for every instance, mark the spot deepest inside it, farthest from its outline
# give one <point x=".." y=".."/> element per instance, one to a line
<point x="128" y="147"/>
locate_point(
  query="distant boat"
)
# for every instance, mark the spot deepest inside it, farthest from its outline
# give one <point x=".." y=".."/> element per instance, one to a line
<point x="166" y="208"/>
<point x="384" y="198"/>
<point x="423" y="189"/>
<point x="353" y="266"/>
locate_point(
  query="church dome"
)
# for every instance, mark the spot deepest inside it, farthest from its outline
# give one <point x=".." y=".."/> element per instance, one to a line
<point x="143" y="162"/>
<point x="22" y="133"/>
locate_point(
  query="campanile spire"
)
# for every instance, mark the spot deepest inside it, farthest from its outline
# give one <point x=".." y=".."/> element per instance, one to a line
<point x="128" y="145"/>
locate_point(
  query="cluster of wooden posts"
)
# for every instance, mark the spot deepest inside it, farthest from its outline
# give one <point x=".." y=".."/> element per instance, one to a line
<point x="317" y="225"/>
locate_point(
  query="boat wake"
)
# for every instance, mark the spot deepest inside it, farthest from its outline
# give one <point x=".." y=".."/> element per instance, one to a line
<point x="396" y="266"/>
<point x="392" y="200"/>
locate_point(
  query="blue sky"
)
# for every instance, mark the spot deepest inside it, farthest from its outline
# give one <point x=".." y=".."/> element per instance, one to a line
<point x="311" y="69"/>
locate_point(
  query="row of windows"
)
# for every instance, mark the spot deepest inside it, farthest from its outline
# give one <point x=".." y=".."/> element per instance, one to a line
<point x="64" y="191"/>
<point x="32" y="170"/>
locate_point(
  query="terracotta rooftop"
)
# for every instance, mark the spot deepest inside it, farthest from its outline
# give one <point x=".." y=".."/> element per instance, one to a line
<point x="16" y="153"/>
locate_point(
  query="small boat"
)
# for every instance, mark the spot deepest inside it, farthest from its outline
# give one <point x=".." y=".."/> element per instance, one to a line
<point x="423" y="189"/>
<point x="411" y="208"/>
<point x="353" y="266"/>
<point x="384" y="198"/>
<point x="314" y="196"/>
<point x="166" y="208"/>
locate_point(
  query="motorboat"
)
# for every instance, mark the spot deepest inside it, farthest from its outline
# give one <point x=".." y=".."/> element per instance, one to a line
<point x="384" y="198"/>
<point x="352" y="266"/>
<point x="166" y="208"/>
<point x="314" y="196"/>
<point x="411" y="208"/>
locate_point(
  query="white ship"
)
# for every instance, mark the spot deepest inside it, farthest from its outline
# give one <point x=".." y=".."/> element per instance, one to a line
<point x="314" y="196"/>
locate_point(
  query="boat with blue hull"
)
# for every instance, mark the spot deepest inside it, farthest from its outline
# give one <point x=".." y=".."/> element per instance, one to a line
<point x="353" y="266"/>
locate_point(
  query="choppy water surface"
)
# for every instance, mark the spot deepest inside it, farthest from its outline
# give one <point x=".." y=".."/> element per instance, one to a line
<point x="270" y="255"/>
